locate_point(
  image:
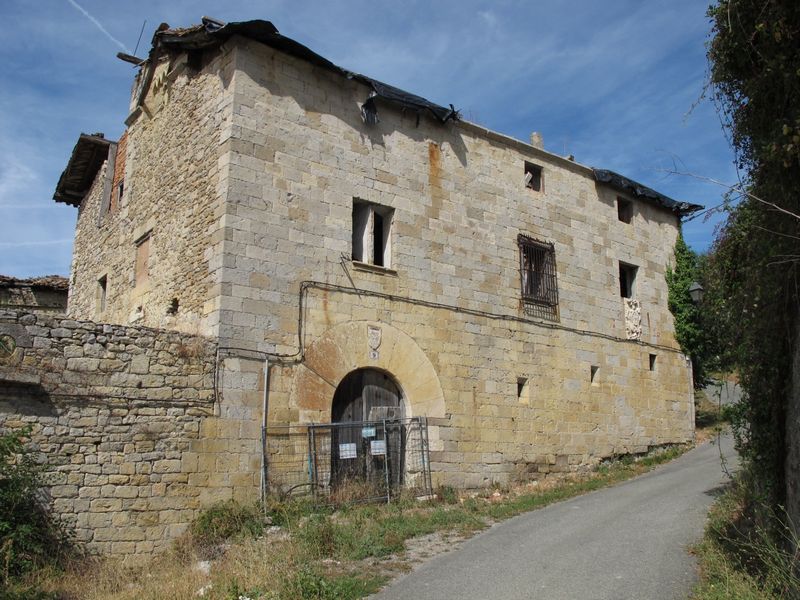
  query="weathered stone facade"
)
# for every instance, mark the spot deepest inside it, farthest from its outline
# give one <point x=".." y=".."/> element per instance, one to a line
<point x="247" y="172"/>
<point x="41" y="294"/>
<point x="174" y="185"/>
<point x="127" y="418"/>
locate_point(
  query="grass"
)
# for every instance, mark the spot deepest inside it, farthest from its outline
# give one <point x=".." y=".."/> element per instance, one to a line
<point x="739" y="558"/>
<point x="294" y="550"/>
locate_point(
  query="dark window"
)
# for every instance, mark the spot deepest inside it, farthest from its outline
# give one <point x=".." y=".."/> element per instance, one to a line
<point x="521" y="383"/>
<point x="652" y="362"/>
<point x="102" y="290"/>
<point x="194" y="59"/>
<point x="537" y="264"/>
<point x="624" y="210"/>
<point x="593" y="370"/>
<point x="627" y="279"/>
<point x="372" y="226"/>
<point x="533" y="177"/>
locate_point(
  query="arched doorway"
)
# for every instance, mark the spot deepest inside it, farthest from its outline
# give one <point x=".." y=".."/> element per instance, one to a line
<point x="366" y="395"/>
<point x="367" y="426"/>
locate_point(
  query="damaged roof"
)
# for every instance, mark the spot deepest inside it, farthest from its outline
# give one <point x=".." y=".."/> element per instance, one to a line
<point x="52" y="282"/>
<point x="212" y="33"/>
<point x="88" y="155"/>
<point x="642" y="192"/>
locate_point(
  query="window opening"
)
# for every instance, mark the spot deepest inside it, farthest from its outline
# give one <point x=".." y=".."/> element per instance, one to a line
<point x="593" y="370"/>
<point x="173" y="307"/>
<point x="141" y="273"/>
<point x="377" y="240"/>
<point x="102" y="288"/>
<point x="624" y="210"/>
<point x="627" y="280"/>
<point x="533" y="177"/>
<point x="372" y="225"/>
<point x="652" y="362"/>
<point x="538" y="271"/>
<point x="521" y="383"/>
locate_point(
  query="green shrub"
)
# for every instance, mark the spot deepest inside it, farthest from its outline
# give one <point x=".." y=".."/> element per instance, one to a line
<point x="447" y="494"/>
<point x="30" y="536"/>
<point x="309" y="583"/>
<point x="227" y="520"/>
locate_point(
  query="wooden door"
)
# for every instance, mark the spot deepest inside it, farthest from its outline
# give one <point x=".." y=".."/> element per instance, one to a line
<point x="364" y="396"/>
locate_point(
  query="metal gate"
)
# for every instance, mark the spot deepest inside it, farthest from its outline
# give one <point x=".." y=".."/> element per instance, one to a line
<point x="351" y="462"/>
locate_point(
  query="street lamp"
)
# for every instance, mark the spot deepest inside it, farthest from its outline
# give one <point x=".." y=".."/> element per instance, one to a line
<point x="696" y="291"/>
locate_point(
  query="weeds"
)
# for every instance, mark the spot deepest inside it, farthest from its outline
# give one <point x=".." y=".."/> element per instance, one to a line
<point x="227" y="520"/>
<point x="30" y="536"/>
<point x="315" y="552"/>
<point x="742" y="558"/>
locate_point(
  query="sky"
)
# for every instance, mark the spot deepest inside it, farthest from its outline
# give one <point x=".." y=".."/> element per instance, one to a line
<point x="618" y="84"/>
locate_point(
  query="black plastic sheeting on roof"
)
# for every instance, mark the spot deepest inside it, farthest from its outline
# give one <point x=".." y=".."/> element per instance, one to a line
<point x="642" y="192"/>
<point x="212" y="32"/>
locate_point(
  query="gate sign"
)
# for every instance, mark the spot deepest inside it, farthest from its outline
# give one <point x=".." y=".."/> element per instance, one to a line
<point x="347" y="451"/>
<point x="367" y="432"/>
<point x="377" y="447"/>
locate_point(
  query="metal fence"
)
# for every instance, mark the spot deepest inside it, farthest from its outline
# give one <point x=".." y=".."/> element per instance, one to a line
<point x="349" y="462"/>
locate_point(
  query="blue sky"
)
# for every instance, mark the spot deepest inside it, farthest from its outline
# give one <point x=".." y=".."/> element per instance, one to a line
<point x="618" y="84"/>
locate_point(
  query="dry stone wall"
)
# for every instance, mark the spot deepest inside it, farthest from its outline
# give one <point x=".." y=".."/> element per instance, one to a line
<point x="118" y="413"/>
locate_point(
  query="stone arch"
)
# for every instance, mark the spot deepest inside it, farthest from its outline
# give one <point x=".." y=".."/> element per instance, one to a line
<point x="357" y="345"/>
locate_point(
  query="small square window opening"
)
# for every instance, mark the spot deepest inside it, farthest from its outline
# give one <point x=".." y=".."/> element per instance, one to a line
<point x="627" y="279"/>
<point x="652" y="362"/>
<point x="624" y="210"/>
<point x="534" y="177"/>
<point x="372" y="228"/>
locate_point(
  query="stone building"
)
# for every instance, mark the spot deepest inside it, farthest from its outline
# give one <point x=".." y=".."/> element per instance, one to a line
<point x="353" y="250"/>
<point x="41" y="294"/>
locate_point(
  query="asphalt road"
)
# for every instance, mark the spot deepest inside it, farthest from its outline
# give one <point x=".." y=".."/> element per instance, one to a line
<point x="723" y="392"/>
<point x="625" y="542"/>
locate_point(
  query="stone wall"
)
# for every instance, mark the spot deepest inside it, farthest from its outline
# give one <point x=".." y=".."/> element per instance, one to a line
<point x="122" y="416"/>
<point x="301" y="155"/>
<point x="289" y="157"/>
<point x="174" y="179"/>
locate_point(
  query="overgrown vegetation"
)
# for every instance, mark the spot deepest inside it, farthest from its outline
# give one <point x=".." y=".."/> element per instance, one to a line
<point x="292" y="549"/>
<point x="752" y="276"/>
<point x="691" y="331"/>
<point x="739" y="558"/>
<point x="30" y="537"/>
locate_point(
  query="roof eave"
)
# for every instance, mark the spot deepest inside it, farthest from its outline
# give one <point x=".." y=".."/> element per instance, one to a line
<point x="88" y="156"/>
<point x="644" y="193"/>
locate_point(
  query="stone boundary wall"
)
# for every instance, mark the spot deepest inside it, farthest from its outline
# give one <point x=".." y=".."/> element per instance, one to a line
<point x="117" y="412"/>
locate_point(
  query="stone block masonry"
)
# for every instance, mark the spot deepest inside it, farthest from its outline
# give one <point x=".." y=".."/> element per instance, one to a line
<point x="120" y="414"/>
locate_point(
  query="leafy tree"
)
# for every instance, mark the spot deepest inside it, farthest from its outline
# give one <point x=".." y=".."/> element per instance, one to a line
<point x="689" y="326"/>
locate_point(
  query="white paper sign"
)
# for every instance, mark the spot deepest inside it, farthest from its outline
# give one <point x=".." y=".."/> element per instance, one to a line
<point x="377" y="447"/>
<point x="367" y="432"/>
<point x="347" y="451"/>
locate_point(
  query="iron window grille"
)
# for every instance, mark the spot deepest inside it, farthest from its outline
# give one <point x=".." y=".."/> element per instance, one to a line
<point x="537" y="267"/>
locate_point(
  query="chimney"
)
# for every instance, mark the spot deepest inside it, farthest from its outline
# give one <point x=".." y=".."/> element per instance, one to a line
<point x="537" y="141"/>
